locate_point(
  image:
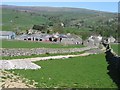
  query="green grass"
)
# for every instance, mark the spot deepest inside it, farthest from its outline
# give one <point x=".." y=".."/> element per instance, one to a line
<point x="83" y="72"/>
<point x="26" y="44"/>
<point x="19" y="19"/>
<point x="116" y="48"/>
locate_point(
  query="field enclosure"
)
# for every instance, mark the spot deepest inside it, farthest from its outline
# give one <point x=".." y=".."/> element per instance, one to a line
<point x="83" y="72"/>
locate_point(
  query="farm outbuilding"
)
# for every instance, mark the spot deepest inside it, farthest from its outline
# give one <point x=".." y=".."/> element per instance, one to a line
<point x="33" y="37"/>
<point x="111" y="39"/>
<point x="93" y="41"/>
<point x="58" y="38"/>
<point x="7" y="35"/>
<point x="71" y="39"/>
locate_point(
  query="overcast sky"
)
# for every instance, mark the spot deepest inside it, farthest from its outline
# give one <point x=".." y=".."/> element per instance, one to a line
<point x="101" y="6"/>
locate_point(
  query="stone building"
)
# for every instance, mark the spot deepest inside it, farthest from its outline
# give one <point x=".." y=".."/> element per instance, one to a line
<point x="7" y="35"/>
<point x="93" y="41"/>
<point x="71" y="39"/>
<point x="111" y="39"/>
<point x="33" y="37"/>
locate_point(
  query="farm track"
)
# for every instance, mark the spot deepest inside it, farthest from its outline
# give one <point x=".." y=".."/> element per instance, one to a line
<point x="27" y="63"/>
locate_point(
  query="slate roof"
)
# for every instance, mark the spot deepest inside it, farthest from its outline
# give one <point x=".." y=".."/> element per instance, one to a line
<point x="33" y="35"/>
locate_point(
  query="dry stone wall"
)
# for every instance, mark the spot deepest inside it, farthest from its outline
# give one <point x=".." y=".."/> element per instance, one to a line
<point x="37" y="51"/>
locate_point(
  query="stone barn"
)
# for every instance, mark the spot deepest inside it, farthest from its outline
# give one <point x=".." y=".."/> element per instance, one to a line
<point x="33" y="37"/>
<point x="71" y="39"/>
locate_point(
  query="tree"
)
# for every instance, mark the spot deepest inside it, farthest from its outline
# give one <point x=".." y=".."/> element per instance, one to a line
<point x="58" y="28"/>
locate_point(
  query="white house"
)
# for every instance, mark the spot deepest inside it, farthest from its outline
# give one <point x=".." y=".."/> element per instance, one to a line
<point x="97" y="38"/>
<point x="7" y="35"/>
<point x="111" y="39"/>
<point x="93" y="40"/>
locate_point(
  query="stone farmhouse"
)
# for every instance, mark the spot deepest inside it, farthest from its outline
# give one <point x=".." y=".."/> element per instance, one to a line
<point x="111" y="39"/>
<point x="93" y="41"/>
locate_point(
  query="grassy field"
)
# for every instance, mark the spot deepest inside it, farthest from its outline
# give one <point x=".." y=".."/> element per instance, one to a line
<point x="116" y="48"/>
<point x="24" y="44"/>
<point x="15" y="19"/>
<point x="83" y="72"/>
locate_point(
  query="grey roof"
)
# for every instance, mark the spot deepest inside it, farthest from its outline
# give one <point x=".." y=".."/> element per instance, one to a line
<point x="62" y="36"/>
<point x="6" y="33"/>
<point x="33" y="35"/>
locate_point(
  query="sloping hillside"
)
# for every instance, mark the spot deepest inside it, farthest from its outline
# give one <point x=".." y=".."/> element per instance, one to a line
<point x="13" y="19"/>
<point x="76" y="20"/>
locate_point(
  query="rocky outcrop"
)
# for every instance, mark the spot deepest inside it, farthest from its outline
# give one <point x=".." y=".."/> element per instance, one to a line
<point x="10" y="80"/>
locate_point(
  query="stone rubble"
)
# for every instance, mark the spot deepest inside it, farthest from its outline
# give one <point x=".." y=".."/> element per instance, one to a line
<point x="10" y="80"/>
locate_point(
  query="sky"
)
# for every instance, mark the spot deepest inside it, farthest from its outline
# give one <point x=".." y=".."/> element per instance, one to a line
<point x="101" y="6"/>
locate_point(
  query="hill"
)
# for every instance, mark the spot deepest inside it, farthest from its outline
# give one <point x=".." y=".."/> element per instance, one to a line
<point x="76" y="20"/>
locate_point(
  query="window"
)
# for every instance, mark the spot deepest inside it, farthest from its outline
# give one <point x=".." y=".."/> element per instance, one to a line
<point x="40" y="40"/>
<point x="29" y="38"/>
<point x="36" y="39"/>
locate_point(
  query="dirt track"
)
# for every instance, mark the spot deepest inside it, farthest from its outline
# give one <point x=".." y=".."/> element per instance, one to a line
<point x="27" y="63"/>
